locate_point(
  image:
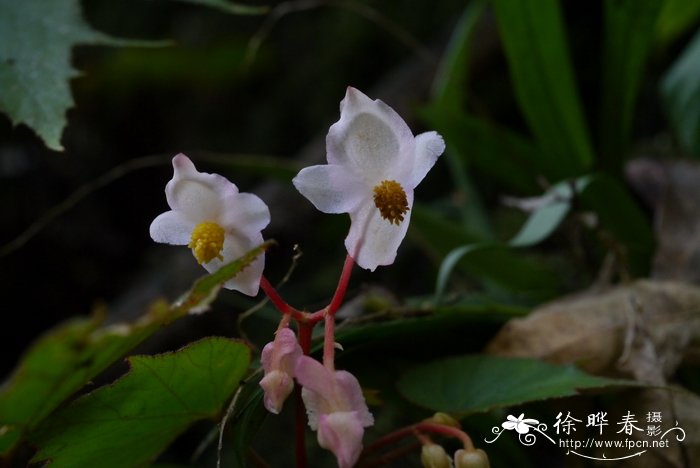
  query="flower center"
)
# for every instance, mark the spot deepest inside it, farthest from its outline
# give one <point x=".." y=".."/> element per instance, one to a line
<point x="390" y="199"/>
<point x="207" y="242"/>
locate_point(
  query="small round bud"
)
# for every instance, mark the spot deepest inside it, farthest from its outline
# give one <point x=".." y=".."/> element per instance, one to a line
<point x="471" y="459"/>
<point x="444" y="419"/>
<point x="434" y="456"/>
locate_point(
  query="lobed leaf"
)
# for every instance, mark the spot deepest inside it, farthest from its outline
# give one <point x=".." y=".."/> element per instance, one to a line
<point x="477" y="383"/>
<point x="36" y="38"/>
<point x="68" y="357"/>
<point x="128" y="423"/>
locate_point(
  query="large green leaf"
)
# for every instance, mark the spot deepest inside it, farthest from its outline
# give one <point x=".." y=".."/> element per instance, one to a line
<point x="475" y="383"/>
<point x="36" y="38"/>
<point x="128" y="423"/>
<point x="68" y="357"/>
<point x="680" y="91"/>
<point x="535" y="45"/>
<point x="629" y="30"/>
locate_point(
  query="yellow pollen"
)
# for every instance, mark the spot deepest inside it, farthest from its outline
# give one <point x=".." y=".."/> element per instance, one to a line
<point x="207" y="242"/>
<point x="390" y="199"/>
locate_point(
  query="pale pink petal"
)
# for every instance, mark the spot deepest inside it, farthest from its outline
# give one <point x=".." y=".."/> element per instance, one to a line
<point x="287" y="350"/>
<point x="331" y="188"/>
<point x="349" y="387"/>
<point x="171" y="228"/>
<point x="341" y="433"/>
<point x="370" y="138"/>
<point x="278" y="359"/>
<point x="198" y="195"/>
<point x="267" y="356"/>
<point x="236" y="245"/>
<point x="373" y="240"/>
<point x="428" y="147"/>
<point x="277" y="386"/>
<point x="312" y="375"/>
<point x="244" y="211"/>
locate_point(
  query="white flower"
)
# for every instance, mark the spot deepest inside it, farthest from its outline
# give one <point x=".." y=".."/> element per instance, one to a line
<point x="219" y="224"/>
<point x="374" y="164"/>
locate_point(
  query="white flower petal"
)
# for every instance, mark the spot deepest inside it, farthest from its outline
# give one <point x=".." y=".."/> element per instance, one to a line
<point x="370" y="138"/>
<point x="331" y="188"/>
<point x="313" y="403"/>
<point x="197" y="195"/>
<point x="373" y="240"/>
<point x="429" y="146"/>
<point x="244" y="211"/>
<point x="171" y="228"/>
<point x="235" y="245"/>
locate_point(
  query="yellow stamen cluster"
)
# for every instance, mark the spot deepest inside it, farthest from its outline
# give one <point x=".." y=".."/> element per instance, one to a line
<point x="207" y="242"/>
<point x="390" y="199"/>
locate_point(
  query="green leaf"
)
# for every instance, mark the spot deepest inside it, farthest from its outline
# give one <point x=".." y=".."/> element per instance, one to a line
<point x="498" y="266"/>
<point x="231" y="7"/>
<point x="503" y="155"/>
<point x="131" y="421"/>
<point x="68" y="357"/>
<point x="494" y="265"/>
<point x="676" y="17"/>
<point x="535" y="46"/>
<point x="450" y="81"/>
<point x="545" y="219"/>
<point x="246" y="424"/>
<point x="470" y="384"/>
<point x="36" y="38"/>
<point x="426" y="320"/>
<point x="619" y="215"/>
<point x="680" y="91"/>
<point x="629" y="30"/>
<point x="451" y="77"/>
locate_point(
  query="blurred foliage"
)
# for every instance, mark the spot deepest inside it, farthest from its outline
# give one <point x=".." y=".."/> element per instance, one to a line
<point x="541" y="104"/>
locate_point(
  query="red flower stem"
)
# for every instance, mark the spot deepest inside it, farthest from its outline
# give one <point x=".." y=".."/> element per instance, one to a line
<point x="342" y="286"/>
<point x="274" y="297"/>
<point x="399" y="434"/>
<point x="329" y="343"/>
<point x="305" y="330"/>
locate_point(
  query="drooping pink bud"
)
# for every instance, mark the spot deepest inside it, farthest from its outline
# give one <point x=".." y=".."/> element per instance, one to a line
<point x="335" y="407"/>
<point x="278" y="359"/>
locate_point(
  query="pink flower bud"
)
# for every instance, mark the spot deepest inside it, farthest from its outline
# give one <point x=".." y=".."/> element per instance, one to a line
<point x="335" y="407"/>
<point x="471" y="459"/>
<point x="278" y="359"/>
